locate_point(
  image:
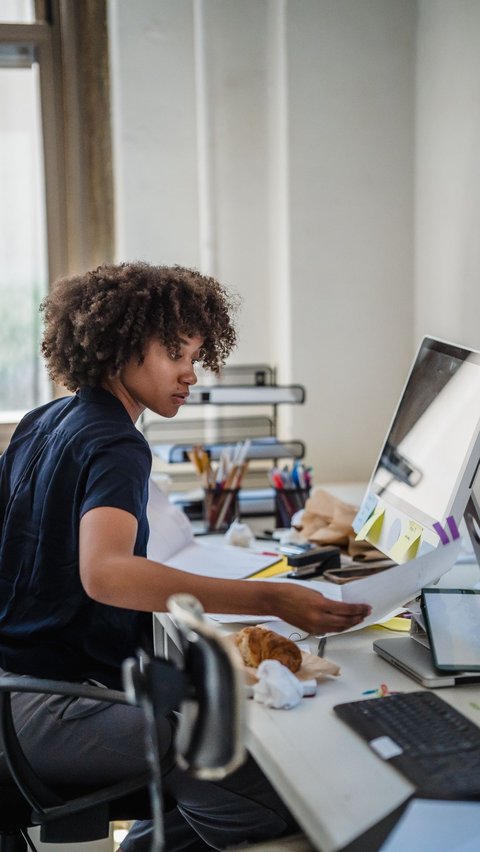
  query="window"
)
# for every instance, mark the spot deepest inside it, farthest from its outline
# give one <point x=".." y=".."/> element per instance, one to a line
<point x="17" y="11"/>
<point x="23" y="245"/>
<point x="56" y="187"/>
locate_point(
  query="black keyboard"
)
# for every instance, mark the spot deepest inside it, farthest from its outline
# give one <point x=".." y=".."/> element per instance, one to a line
<point x="434" y="746"/>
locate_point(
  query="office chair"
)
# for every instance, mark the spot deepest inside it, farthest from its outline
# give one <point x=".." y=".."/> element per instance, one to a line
<point x="209" y="744"/>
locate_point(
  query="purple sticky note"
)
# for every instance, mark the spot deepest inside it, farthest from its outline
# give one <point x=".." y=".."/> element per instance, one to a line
<point x="453" y="527"/>
<point x="441" y="532"/>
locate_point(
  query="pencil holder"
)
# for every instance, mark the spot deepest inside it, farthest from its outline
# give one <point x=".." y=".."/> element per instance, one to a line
<point x="287" y="502"/>
<point x="220" y="508"/>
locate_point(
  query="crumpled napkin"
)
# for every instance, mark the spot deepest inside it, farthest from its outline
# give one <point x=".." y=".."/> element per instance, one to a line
<point x="239" y="535"/>
<point x="277" y="686"/>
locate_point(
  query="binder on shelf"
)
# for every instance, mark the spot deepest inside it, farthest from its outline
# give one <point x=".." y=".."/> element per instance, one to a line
<point x="261" y="448"/>
<point x="246" y="395"/>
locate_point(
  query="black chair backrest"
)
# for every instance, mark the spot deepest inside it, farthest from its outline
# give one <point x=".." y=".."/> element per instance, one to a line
<point x="211" y="728"/>
<point x="211" y="734"/>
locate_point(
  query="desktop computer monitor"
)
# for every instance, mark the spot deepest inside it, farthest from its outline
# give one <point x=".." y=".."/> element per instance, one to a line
<point x="428" y="463"/>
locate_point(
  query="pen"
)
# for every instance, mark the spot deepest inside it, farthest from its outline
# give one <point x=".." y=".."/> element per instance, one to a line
<point x="277" y="479"/>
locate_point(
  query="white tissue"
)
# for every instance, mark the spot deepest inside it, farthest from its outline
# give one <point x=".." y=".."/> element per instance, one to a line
<point x="239" y="534"/>
<point x="297" y="518"/>
<point x="277" y="686"/>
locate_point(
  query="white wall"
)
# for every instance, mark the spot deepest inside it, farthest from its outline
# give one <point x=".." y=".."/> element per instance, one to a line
<point x="271" y="142"/>
<point x="350" y="95"/>
<point x="153" y="90"/>
<point x="448" y="171"/>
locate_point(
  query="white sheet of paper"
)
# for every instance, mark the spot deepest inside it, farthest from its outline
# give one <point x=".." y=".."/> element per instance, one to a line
<point x="225" y="618"/>
<point x="389" y="589"/>
<point x="435" y="826"/>
<point x="396" y="585"/>
<point x="170" y="529"/>
<point x="223" y="561"/>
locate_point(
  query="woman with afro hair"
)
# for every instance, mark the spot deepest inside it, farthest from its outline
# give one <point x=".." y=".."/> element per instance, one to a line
<point x="76" y="588"/>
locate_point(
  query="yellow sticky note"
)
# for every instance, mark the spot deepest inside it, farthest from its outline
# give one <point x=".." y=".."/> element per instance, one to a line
<point x="395" y="623"/>
<point x="372" y="527"/>
<point x="406" y="546"/>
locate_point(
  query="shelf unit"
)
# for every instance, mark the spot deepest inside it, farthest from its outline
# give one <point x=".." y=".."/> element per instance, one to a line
<point x="241" y="403"/>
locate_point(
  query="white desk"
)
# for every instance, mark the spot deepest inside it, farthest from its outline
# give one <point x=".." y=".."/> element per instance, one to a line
<point x="334" y="784"/>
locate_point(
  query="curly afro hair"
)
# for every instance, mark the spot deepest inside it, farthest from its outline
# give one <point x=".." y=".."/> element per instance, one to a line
<point x="95" y="323"/>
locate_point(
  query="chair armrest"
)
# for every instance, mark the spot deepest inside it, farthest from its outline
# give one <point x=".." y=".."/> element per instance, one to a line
<point x="21" y="683"/>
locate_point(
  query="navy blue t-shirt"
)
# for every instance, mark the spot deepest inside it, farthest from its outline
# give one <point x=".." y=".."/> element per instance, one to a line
<point x="65" y="458"/>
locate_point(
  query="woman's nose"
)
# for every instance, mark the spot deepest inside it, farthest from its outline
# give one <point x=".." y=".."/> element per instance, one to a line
<point x="190" y="375"/>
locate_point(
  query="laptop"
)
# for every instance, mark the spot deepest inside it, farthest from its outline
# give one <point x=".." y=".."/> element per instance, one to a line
<point x="414" y="659"/>
<point x="444" y="650"/>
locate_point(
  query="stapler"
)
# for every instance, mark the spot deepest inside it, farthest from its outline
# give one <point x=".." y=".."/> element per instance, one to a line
<point x="312" y="563"/>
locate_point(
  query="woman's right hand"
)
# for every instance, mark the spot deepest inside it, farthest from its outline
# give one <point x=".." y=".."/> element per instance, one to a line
<point x="312" y="611"/>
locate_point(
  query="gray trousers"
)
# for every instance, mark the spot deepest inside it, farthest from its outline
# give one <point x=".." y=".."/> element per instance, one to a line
<point x="79" y="741"/>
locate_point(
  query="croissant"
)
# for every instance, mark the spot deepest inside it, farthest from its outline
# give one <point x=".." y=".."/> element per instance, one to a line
<point x="256" y="644"/>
